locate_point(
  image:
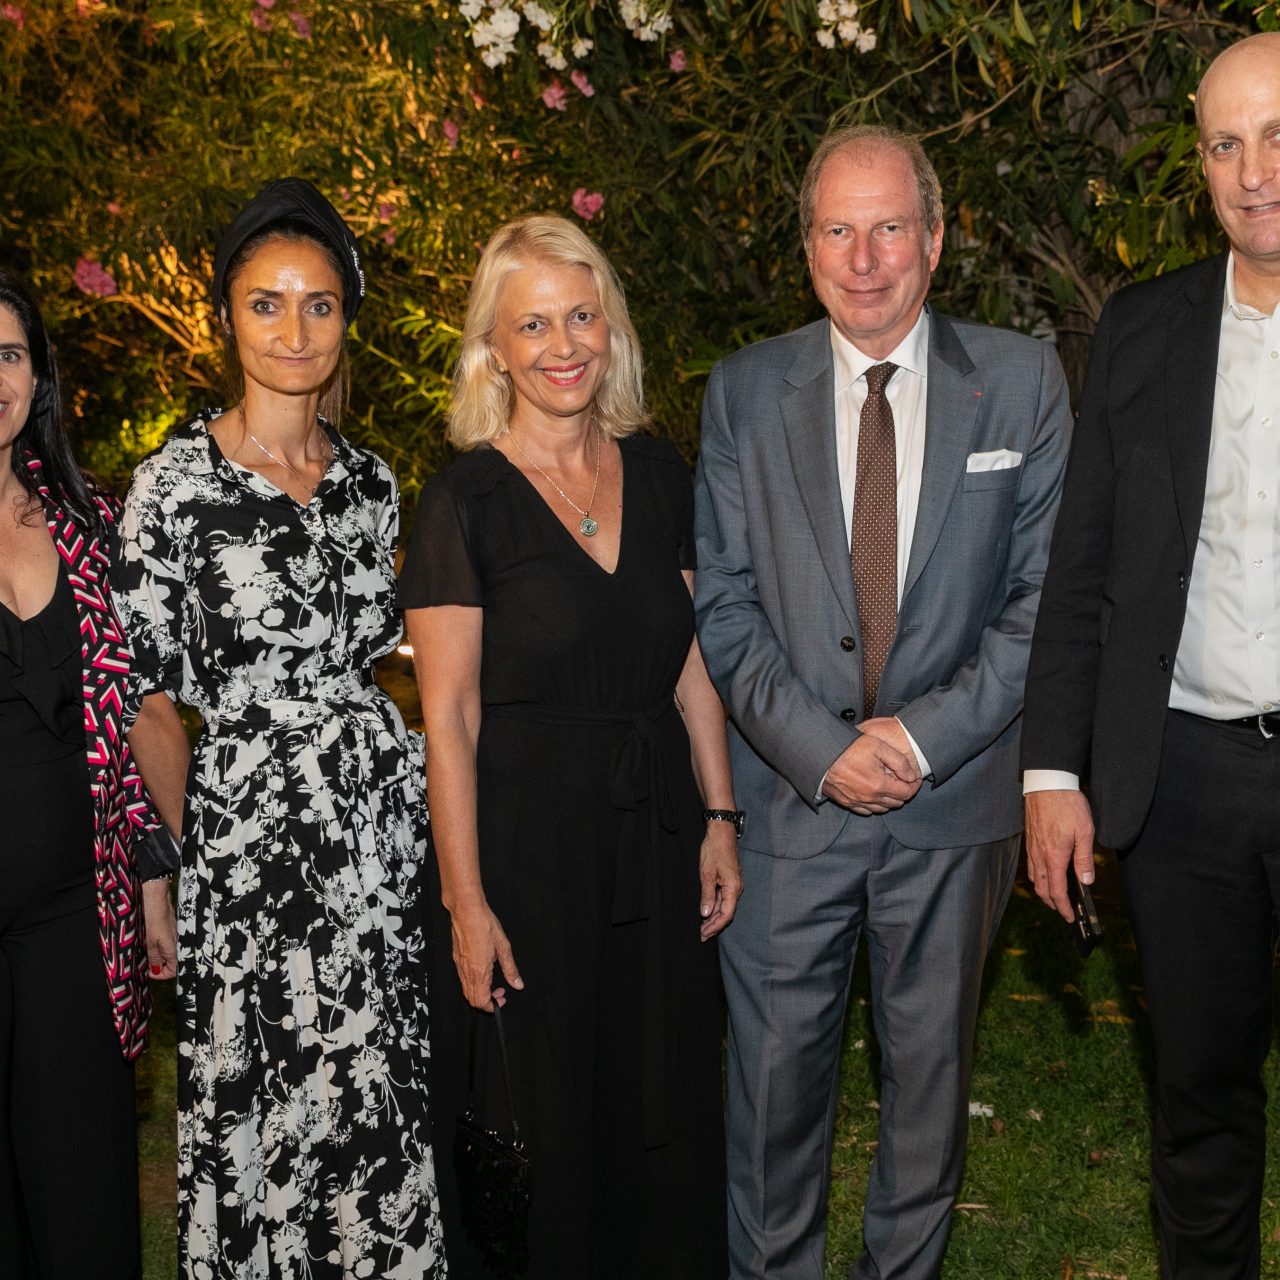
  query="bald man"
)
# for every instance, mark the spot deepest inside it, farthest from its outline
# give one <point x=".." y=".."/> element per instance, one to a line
<point x="1155" y="669"/>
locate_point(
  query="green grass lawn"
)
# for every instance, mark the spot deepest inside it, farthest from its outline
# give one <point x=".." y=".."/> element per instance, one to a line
<point x="1056" y="1185"/>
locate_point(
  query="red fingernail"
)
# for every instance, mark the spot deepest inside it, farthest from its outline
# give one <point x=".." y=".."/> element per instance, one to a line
<point x="155" y="969"/>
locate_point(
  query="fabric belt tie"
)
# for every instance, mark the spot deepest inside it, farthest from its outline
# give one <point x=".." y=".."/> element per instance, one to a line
<point x="327" y="699"/>
<point x="638" y="786"/>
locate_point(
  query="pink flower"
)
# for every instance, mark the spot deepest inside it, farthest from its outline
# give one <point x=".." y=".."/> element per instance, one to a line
<point x="515" y="153"/>
<point x="586" y="204"/>
<point x="478" y="100"/>
<point x="345" y="193"/>
<point x="113" y="207"/>
<point x="260" y="20"/>
<point x="677" y="61"/>
<point x="15" y="14"/>
<point x="92" y="277"/>
<point x="386" y="211"/>
<point x="301" y="24"/>
<point x="451" y="132"/>
<point x="555" y="96"/>
<point x="265" y="4"/>
<point x="581" y="83"/>
<point x="389" y="236"/>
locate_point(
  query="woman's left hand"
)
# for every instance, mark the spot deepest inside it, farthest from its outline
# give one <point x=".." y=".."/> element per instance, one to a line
<point x="721" y="877"/>
<point x="162" y="929"/>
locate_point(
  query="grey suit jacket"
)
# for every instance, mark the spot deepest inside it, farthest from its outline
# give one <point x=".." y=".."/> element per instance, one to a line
<point x="775" y="594"/>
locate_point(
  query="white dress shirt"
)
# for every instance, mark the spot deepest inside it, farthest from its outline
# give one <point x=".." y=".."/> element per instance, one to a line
<point x="906" y="393"/>
<point x="1228" y="660"/>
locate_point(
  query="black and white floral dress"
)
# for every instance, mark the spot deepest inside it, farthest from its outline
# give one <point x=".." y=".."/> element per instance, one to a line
<point x="303" y="1129"/>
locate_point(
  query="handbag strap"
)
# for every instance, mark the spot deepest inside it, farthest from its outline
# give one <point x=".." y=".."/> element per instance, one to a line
<point x="506" y="1069"/>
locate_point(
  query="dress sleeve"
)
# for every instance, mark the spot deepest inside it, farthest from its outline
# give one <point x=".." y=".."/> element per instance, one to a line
<point x="439" y="567"/>
<point x="674" y="484"/>
<point x="389" y="511"/>
<point x="151" y="559"/>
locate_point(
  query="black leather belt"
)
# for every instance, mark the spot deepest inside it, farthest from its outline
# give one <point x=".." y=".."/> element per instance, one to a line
<point x="1267" y="724"/>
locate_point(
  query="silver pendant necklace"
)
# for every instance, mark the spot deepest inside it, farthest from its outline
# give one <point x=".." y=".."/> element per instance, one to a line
<point x="280" y="462"/>
<point x="586" y="526"/>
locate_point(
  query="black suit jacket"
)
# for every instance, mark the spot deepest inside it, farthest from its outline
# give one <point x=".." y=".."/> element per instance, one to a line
<point x="1115" y="594"/>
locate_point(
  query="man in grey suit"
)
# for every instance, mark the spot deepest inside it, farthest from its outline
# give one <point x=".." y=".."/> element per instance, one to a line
<point x="875" y="497"/>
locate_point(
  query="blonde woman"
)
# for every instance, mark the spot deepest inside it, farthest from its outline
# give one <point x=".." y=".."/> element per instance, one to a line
<point x="582" y="807"/>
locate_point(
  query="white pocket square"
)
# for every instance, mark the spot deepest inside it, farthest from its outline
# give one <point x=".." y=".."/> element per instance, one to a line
<point x="996" y="460"/>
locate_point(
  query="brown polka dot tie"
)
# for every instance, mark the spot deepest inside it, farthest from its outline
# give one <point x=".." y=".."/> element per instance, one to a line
<point x="873" y="547"/>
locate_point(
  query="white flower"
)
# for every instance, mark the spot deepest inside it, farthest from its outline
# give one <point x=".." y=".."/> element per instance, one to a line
<point x="504" y="22"/>
<point x="826" y="37"/>
<point x="471" y="9"/>
<point x="866" y="40"/>
<point x="977" y="1109"/>
<point x="582" y="47"/>
<point x="552" y="56"/>
<point x="849" y="30"/>
<point x="536" y="14"/>
<point x="827" y="12"/>
<point x="848" y="8"/>
<point x="663" y="24"/>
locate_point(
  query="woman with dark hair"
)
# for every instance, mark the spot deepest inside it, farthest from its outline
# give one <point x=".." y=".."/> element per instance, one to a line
<point x="73" y="983"/>
<point x="257" y="569"/>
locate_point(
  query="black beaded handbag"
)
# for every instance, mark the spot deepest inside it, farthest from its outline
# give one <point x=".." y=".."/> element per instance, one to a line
<point x="493" y="1175"/>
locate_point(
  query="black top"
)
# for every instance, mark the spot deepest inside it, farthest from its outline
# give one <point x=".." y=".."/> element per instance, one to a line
<point x="41" y="701"/>
<point x="558" y="629"/>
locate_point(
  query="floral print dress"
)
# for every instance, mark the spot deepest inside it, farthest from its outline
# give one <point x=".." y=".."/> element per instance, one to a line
<point x="303" y="1129"/>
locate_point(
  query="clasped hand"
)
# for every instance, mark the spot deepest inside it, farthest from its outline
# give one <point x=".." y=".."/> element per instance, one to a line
<point x="876" y="772"/>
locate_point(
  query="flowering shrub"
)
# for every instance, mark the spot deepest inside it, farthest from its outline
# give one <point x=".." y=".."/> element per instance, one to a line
<point x="676" y="131"/>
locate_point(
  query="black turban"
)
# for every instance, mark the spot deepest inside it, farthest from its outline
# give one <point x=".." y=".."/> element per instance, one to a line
<point x="293" y="200"/>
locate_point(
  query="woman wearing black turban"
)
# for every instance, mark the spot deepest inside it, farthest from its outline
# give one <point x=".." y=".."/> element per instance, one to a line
<point x="256" y="568"/>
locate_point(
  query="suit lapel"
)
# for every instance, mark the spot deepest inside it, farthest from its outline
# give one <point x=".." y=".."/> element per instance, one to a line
<point x="951" y="409"/>
<point x="808" y="414"/>
<point x="1191" y="374"/>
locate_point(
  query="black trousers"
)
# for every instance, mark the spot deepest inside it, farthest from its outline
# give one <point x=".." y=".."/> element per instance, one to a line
<point x="68" y="1147"/>
<point x="1203" y="885"/>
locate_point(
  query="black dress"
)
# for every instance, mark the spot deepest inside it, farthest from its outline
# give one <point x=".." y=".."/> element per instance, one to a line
<point x="66" y="1092"/>
<point x="590" y="825"/>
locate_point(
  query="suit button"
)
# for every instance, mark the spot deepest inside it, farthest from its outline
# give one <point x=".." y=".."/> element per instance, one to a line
<point x="1182" y="582"/>
<point x="848" y="644"/>
<point x="848" y="714"/>
<point x="1164" y="662"/>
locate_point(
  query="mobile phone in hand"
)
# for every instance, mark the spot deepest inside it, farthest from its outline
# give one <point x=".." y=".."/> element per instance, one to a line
<point x="1086" y="927"/>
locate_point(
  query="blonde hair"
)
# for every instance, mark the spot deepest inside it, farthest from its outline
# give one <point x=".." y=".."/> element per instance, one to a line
<point x="483" y="400"/>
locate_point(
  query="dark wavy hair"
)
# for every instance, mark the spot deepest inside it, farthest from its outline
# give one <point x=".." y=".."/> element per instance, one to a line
<point x="45" y="431"/>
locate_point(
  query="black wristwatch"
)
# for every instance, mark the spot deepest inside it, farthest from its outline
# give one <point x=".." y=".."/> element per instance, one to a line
<point x="736" y="816"/>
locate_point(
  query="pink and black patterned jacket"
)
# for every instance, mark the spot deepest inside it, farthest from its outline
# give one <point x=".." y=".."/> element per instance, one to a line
<point x="121" y="808"/>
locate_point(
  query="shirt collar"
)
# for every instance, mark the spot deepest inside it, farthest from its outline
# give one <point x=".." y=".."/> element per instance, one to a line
<point x="1231" y="305"/>
<point x="912" y="354"/>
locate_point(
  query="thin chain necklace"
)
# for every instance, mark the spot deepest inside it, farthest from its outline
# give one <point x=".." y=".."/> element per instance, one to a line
<point x="280" y="462"/>
<point x="586" y="526"/>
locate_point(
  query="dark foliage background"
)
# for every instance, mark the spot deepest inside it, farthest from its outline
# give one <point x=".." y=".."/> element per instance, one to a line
<point x="1063" y="131"/>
